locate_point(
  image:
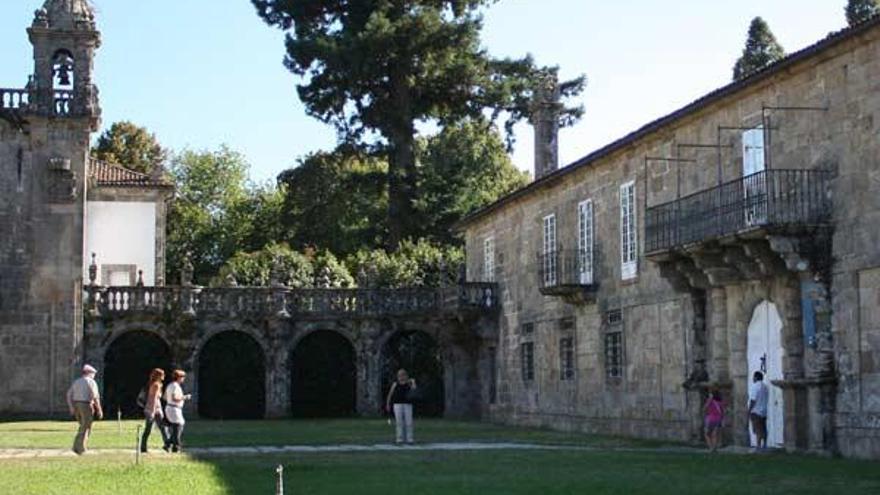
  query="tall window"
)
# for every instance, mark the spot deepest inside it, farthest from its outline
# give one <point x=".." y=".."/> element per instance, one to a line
<point x="527" y="356"/>
<point x="628" y="241"/>
<point x="566" y="358"/>
<point x="549" y="258"/>
<point x="754" y="187"/>
<point x="489" y="259"/>
<point x="585" y="242"/>
<point x="614" y="344"/>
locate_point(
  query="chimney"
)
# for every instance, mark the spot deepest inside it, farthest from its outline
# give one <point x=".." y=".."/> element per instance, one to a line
<point x="545" y="119"/>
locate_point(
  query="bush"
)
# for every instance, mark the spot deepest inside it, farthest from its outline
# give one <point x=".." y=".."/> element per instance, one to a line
<point x="414" y="264"/>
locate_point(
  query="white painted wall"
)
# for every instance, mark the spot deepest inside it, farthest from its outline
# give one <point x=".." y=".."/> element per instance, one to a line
<point x="121" y="233"/>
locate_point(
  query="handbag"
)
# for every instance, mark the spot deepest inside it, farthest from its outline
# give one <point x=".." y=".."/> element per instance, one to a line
<point x="415" y="394"/>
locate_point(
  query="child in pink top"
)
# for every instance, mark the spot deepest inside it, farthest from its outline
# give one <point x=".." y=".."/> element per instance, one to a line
<point x="714" y="409"/>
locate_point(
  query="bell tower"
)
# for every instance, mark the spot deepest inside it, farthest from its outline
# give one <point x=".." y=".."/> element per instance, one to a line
<point x="65" y="37"/>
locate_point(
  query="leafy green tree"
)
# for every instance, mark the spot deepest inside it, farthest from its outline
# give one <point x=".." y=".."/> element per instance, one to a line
<point x="276" y="262"/>
<point x="131" y="146"/>
<point x="761" y="50"/>
<point x="335" y="200"/>
<point x="415" y="264"/>
<point x="861" y="10"/>
<point x="207" y="221"/>
<point x="461" y="169"/>
<point x="374" y="69"/>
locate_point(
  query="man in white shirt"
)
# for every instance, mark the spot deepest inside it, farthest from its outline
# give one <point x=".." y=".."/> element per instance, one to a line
<point x="84" y="403"/>
<point x="758" y="397"/>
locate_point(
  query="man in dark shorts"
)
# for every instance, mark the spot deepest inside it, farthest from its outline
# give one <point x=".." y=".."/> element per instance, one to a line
<point x="758" y="398"/>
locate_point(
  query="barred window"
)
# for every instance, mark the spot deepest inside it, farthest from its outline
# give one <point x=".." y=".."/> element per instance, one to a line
<point x="566" y="323"/>
<point x="527" y="354"/>
<point x="566" y="358"/>
<point x="527" y="328"/>
<point x="628" y="241"/>
<point x="489" y="259"/>
<point x="614" y="354"/>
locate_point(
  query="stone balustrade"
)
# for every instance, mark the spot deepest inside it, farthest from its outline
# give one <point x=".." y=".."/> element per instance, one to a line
<point x="286" y="302"/>
<point x="14" y="99"/>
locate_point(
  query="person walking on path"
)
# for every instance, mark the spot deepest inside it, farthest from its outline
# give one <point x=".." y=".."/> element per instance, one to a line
<point x="714" y="418"/>
<point x="758" y="397"/>
<point x="400" y="399"/>
<point x="153" y="408"/>
<point x="174" y="400"/>
<point x="84" y="403"/>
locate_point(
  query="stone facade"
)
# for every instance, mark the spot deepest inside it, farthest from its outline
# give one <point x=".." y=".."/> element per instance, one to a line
<point x="44" y="140"/>
<point x="680" y="325"/>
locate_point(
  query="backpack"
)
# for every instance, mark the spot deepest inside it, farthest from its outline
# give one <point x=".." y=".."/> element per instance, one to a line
<point x="142" y="398"/>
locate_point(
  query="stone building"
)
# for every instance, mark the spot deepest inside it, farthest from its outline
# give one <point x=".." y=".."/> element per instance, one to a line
<point x="54" y="203"/>
<point x="738" y="233"/>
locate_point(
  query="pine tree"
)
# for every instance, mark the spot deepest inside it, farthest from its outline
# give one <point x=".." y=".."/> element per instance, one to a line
<point x="761" y="50"/>
<point x="861" y="10"/>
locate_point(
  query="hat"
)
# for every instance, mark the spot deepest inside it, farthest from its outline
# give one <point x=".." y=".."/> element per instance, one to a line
<point x="89" y="369"/>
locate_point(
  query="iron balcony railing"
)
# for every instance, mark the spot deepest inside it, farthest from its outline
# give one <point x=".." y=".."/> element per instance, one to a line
<point x="772" y="198"/>
<point x="565" y="268"/>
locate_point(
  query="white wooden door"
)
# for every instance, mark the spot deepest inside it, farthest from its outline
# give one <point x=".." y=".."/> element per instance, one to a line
<point x="754" y="188"/>
<point x="765" y="355"/>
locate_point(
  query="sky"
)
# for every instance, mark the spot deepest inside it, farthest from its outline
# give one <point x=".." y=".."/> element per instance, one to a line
<point x="203" y="73"/>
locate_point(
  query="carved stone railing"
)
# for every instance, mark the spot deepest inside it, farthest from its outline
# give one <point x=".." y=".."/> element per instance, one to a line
<point x="286" y="302"/>
<point x="14" y="99"/>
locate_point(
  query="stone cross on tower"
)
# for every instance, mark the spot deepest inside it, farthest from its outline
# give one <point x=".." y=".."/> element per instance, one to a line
<point x="546" y="108"/>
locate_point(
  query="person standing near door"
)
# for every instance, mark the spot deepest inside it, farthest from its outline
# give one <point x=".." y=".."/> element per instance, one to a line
<point x="400" y="400"/>
<point x="84" y="403"/>
<point x="758" y="398"/>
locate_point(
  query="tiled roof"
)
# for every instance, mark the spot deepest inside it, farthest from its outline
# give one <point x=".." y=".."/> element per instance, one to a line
<point x="111" y="175"/>
<point x="830" y="41"/>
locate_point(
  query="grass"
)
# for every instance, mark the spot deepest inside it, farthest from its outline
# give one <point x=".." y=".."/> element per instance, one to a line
<point x="436" y="473"/>
<point x="106" y="434"/>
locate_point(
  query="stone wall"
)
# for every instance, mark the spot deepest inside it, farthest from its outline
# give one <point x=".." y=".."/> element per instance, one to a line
<point x="664" y="337"/>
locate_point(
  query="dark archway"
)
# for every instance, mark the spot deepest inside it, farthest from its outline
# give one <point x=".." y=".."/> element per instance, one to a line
<point x="232" y="377"/>
<point x="419" y="354"/>
<point x="323" y="376"/>
<point x="127" y="365"/>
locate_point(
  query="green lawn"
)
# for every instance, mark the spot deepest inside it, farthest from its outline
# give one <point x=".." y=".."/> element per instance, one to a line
<point x="106" y="434"/>
<point x="429" y="473"/>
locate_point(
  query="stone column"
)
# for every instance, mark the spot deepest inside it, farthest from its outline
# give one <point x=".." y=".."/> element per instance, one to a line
<point x="369" y="366"/>
<point x="278" y="370"/>
<point x="717" y="319"/>
<point x="796" y="402"/>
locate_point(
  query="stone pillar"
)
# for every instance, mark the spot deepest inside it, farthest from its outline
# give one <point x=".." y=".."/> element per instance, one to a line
<point x="796" y="402"/>
<point x="717" y="317"/>
<point x="369" y="367"/>
<point x="278" y="381"/>
<point x="739" y="315"/>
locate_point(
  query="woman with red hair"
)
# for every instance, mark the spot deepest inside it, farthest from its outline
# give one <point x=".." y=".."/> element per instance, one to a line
<point x="153" y="408"/>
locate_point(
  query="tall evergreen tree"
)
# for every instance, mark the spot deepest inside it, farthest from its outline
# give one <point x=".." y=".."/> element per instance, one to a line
<point x="761" y="50"/>
<point x="131" y="146"/>
<point x="861" y="10"/>
<point x="376" y="68"/>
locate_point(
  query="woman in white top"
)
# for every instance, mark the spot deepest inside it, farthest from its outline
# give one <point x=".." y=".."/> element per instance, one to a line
<point x="174" y="399"/>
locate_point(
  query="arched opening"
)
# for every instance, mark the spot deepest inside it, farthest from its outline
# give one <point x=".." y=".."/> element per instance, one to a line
<point x="232" y="374"/>
<point x="63" y="70"/>
<point x="127" y="365"/>
<point x="323" y="376"/>
<point x="418" y="353"/>
<point x="765" y="355"/>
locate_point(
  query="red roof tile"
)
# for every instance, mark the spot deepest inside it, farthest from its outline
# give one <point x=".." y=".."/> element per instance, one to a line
<point x="112" y="175"/>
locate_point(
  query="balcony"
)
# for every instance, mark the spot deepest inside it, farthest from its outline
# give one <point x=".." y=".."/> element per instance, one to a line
<point x="568" y="274"/>
<point x="743" y="228"/>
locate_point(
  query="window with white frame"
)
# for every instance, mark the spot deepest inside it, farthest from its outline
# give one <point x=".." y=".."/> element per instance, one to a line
<point x="489" y="259"/>
<point x="549" y="258"/>
<point x="628" y="240"/>
<point x="585" y="242"/>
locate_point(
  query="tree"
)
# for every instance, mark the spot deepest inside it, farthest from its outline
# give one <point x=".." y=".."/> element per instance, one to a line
<point x="131" y="146"/>
<point x="858" y="11"/>
<point x="374" y="69"/>
<point x="415" y="264"/>
<point x="461" y="169"/>
<point x="761" y="50"/>
<point x="336" y="201"/>
<point x="208" y="221"/>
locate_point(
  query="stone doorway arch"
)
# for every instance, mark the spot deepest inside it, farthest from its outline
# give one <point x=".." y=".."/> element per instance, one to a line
<point x="232" y="377"/>
<point x="420" y="354"/>
<point x="765" y="350"/>
<point x="127" y="364"/>
<point x="323" y="376"/>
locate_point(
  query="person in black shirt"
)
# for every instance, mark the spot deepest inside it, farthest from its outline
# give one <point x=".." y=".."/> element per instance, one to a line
<point x="399" y="398"/>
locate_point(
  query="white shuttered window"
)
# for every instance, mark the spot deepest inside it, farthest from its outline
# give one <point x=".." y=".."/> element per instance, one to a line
<point x="628" y="240"/>
<point x="585" y="242"/>
<point x="549" y="258"/>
